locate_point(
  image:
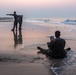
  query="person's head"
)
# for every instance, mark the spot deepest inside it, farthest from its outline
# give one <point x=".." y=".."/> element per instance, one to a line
<point x="14" y="12"/>
<point x="52" y="37"/>
<point x="57" y="34"/>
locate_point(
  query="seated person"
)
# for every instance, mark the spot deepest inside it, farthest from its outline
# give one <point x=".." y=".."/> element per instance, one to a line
<point x="55" y="47"/>
<point x="49" y="43"/>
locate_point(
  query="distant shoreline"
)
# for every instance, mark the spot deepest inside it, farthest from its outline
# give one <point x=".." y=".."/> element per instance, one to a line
<point x="6" y="19"/>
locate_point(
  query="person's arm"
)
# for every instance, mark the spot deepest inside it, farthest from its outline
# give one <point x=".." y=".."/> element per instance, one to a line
<point x="64" y="43"/>
<point x="10" y="14"/>
<point x="50" y="44"/>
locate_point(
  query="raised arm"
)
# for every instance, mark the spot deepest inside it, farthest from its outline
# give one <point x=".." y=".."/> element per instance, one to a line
<point x="10" y="14"/>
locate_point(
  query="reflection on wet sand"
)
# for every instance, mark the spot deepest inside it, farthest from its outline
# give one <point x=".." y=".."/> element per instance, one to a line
<point x="17" y="38"/>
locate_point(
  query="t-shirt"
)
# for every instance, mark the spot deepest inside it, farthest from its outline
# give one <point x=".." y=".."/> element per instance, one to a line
<point x="57" y="47"/>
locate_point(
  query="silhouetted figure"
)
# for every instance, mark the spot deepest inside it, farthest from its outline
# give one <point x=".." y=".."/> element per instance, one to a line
<point x="20" y="19"/>
<point x="15" y="20"/>
<point x="49" y="43"/>
<point x="17" y="38"/>
<point x="55" y="47"/>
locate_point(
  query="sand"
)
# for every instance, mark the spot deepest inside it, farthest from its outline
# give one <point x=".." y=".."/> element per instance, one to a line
<point x="22" y="69"/>
<point x="23" y="59"/>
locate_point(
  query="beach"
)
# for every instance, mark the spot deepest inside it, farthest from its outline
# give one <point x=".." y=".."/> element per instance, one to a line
<point x="19" y="53"/>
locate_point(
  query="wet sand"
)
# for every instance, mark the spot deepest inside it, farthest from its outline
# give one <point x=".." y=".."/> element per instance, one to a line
<point x="18" y="58"/>
<point x="23" y="69"/>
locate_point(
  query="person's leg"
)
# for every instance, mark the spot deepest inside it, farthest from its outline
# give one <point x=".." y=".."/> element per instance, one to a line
<point x="13" y="26"/>
<point x="68" y="49"/>
<point x="16" y="25"/>
<point x="20" y="26"/>
<point x="45" y="51"/>
<point x="41" y="49"/>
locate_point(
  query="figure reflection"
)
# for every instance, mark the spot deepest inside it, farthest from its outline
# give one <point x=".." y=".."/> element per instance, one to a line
<point x="17" y="38"/>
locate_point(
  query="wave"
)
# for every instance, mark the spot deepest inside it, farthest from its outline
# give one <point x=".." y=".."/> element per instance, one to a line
<point x="52" y="21"/>
<point x="60" y="65"/>
<point x="71" y="22"/>
<point x="37" y="20"/>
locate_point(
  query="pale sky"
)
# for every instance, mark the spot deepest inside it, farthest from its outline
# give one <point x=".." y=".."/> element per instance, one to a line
<point x="39" y="8"/>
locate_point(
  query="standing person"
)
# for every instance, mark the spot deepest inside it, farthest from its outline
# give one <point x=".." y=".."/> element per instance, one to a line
<point x="56" y="47"/>
<point x="20" y="19"/>
<point x="15" y="20"/>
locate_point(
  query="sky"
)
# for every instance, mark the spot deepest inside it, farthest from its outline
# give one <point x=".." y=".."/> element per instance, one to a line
<point x="39" y="8"/>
